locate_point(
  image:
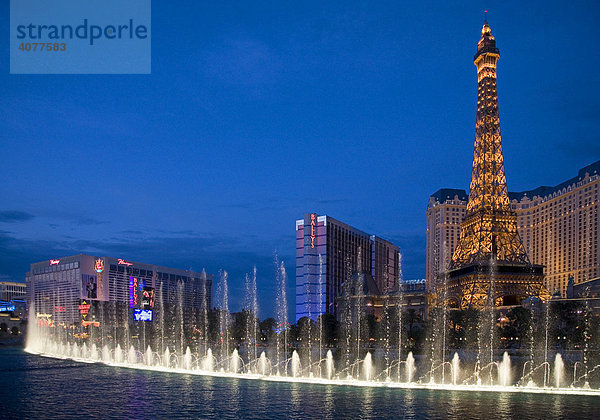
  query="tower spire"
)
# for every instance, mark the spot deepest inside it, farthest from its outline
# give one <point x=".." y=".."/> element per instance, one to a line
<point x="490" y="228"/>
<point x="490" y="266"/>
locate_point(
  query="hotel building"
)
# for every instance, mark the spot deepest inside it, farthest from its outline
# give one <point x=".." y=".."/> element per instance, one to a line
<point x="58" y="288"/>
<point x="558" y="226"/>
<point x="328" y="252"/>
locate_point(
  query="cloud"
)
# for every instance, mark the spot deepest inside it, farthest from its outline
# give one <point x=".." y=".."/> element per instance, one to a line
<point x="13" y="216"/>
<point x="89" y="222"/>
<point x="238" y="255"/>
<point x="131" y="232"/>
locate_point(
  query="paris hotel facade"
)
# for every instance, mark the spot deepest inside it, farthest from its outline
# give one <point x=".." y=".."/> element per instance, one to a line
<point x="558" y="226"/>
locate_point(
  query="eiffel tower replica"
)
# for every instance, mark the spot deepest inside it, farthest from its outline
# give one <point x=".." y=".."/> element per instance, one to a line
<point x="490" y="265"/>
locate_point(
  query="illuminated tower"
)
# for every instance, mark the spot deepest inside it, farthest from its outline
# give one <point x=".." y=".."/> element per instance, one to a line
<point x="490" y="263"/>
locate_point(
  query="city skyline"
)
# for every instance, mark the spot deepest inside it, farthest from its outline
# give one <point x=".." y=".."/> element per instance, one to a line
<point x="208" y="163"/>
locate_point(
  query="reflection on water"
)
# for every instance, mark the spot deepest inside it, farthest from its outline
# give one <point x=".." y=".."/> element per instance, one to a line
<point x="503" y="411"/>
<point x="366" y="408"/>
<point x="296" y="398"/>
<point x="409" y="404"/>
<point x="329" y="404"/>
<point x="454" y="403"/>
<point x="34" y="387"/>
<point x="235" y="397"/>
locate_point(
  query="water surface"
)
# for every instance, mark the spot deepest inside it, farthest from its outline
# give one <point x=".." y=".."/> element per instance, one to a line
<point x="40" y="387"/>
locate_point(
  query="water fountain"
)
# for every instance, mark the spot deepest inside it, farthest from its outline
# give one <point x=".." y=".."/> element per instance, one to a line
<point x="118" y="354"/>
<point x="281" y="346"/>
<point x="263" y="364"/>
<point x="476" y="369"/>
<point x="208" y="363"/>
<point x="455" y="369"/>
<point x="410" y="368"/>
<point x="559" y="370"/>
<point x="329" y="370"/>
<point x="187" y="359"/>
<point x="295" y="362"/>
<point x="234" y="364"/>
<point x="132" y="356"/>
<point x="368" y="367"/>
<point x="166" y="357"/>
<point x="504" y="371"/>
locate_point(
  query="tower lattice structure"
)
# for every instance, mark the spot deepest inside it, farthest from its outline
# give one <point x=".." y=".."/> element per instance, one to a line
<point x="490" y="264"/>
<point x="490" y="226"/>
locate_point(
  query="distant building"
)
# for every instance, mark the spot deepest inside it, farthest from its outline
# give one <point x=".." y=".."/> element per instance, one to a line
<point x="12" y="300"/>
<point x="359" y="297"/>
<point x="66" y="289"/>
<point x="587" y="293"/>
<point x="328" y="252"/>
<point x="558" y="226"/>
<point x="587" y="289"/>
<point x="10" y="290"/>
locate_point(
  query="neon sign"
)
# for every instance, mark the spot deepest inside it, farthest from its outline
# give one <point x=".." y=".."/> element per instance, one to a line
<point x="84" y="308"/>
<point x="123" y="262"/>
<point x="99" y="265"/>
<point x="142" y="315"/>
<point x="54" y="262"/>
<point x="313" y="228"/>
<point x="7" y="308"/>
<point x="59" y="309"/>
<point x="147" y="297"/>
<point x="133" y="292"/>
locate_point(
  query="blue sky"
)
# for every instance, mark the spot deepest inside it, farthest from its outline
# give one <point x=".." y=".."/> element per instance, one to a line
<point x="257" y="113"/>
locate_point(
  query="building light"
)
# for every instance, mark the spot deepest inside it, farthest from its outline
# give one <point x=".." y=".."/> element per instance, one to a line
<point x="99" y="265"/>
<point x="313" y="225"/>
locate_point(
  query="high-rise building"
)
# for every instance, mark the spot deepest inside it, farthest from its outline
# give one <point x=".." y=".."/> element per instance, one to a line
<point x="445" y="212"/>
<point x="558" y="226"/>
<point x="61" y="289"/>
<point x="489" y="266"/>
<point x="328" y="252"/>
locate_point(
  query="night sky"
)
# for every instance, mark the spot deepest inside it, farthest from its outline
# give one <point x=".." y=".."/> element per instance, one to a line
<point x="257" y="113"/>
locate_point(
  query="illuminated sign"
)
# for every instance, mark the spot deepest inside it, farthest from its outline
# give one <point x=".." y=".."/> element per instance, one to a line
<point x="84" y="308"/>
<point x="313" y="229"/>
<point x="7" y="308"/>
<point x="133" y="292"/>
<point x="147" y="297"/>
<point x="54" y="262"/>
<point x="86" y="323"/>
<point x="123" y="262"/>
<point x="99" y="265"/>
<point x="142" y="315"/>
<point x="89" y="286"/>
<point x="59" y="309"/>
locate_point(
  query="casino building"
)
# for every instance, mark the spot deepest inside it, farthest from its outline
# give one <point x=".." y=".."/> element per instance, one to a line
<point x="328" y="252"/>
<point x="558" y="226"/>
<point x="65" y="289"/>
<point x="10" y="290"/>
<point x="12" y="299"/>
